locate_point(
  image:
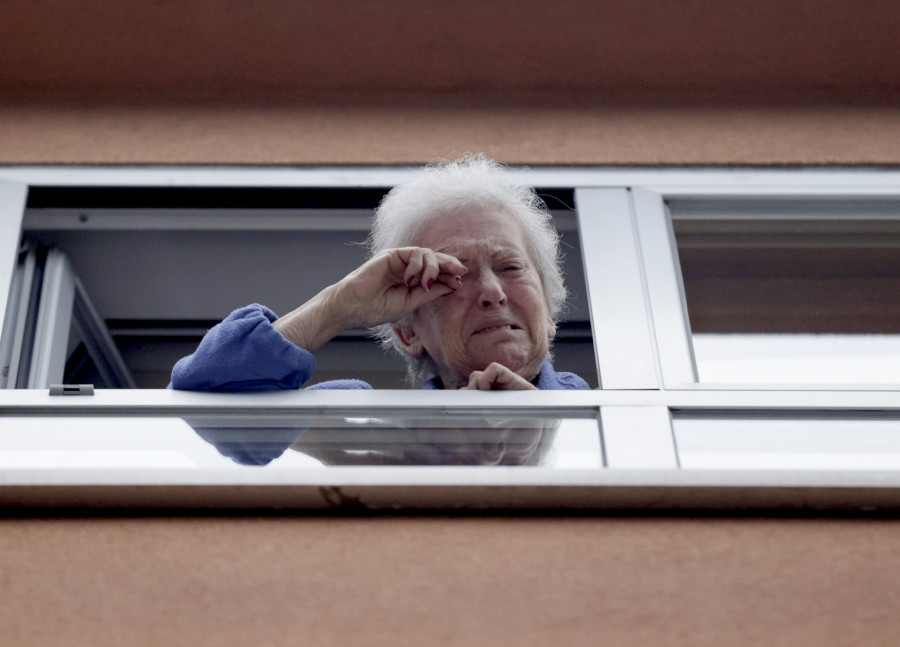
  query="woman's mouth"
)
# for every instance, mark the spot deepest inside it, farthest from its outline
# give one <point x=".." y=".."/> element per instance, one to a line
<point x="492" y="328"/>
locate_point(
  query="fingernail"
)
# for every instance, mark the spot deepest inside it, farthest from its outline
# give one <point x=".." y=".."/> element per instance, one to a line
<point x="410" y="280"/>
<point x="459" y="280"/>
<point x="430" y="283"/>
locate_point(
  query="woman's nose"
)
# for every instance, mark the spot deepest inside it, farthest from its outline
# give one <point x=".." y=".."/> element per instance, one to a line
<point x="491" y="291"/>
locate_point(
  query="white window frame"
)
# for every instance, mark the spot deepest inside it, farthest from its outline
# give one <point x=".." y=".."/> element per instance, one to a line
<point x="635" y="295"/>
<point x="664" y="284"/>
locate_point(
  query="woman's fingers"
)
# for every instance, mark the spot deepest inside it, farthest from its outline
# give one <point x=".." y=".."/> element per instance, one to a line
<point x="497" y="377"/>
<point x="422" y="269"/>
<point x="420" y="266"/>
<point x="416" y="264"/>
<point x="447" y="270"/>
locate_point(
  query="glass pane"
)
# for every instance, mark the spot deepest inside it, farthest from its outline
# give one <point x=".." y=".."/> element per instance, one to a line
<point x="216" y="442"/>
<point x="709" y="441"/>
<point x="785" y="291"/>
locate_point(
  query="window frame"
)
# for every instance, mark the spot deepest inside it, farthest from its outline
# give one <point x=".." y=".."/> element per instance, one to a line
<point x="665" y="285"/>
<point x="643" y="381"/>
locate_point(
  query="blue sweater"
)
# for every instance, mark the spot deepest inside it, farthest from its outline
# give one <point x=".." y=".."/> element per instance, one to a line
<point x="245" y="353"/>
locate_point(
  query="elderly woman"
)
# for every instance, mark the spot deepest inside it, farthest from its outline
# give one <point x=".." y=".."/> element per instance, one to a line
<point x="464" y="281"/>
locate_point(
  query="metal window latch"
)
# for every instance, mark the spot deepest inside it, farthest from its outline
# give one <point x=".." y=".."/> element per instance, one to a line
<point x="72" y="389"/>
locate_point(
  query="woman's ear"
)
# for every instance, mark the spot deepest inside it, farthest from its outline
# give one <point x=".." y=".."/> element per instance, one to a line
<point x="551" y="331"/>
<point x="409" y="339"/>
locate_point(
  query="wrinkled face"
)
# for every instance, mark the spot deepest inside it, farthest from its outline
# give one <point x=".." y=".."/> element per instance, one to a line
<point x="498" y="315"/>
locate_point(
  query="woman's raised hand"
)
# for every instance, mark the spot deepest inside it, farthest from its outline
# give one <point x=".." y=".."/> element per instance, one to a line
<point x="394" y="283"/>
<point x="385" y="289"/>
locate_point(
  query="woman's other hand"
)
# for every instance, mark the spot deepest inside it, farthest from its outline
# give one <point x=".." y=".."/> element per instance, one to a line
<point x="497" y="377"/>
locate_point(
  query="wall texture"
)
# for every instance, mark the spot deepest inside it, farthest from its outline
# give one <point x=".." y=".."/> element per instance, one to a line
<point x="350" y="81"/>
<point x="226" y="49"/>
<point x="449" y="581"/>
<point x="418" y="131"/>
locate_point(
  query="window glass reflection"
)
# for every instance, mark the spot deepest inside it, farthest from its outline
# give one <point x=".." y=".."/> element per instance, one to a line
<point x="228" y="442"/>
<point x="785" y="442"/>
<point x="792" y="290"/>
<point x="447" y="441"/>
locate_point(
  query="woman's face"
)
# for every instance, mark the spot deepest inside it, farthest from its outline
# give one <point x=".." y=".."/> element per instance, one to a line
<point x="499" y="314"/>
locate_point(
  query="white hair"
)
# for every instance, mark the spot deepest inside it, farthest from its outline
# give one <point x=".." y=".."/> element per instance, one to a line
<point x="469" y="183"/>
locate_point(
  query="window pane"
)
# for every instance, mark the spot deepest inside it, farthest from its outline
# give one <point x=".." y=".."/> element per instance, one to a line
<point x="709" y="441"/>
<point x="791" y="290"/>
<point x="92" y="445"/>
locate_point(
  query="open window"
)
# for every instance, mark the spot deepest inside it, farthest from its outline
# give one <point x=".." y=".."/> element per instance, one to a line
<point x="52" y="333"/>
<point x="158" y="266"/>
<point x="116" y="273"/>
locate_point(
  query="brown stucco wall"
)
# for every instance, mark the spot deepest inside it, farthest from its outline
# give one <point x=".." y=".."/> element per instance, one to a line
<point x="351" y="81"/>
<point x="449" y="581"/>
<point x="416" y="130"/>
<point x="227" y="49"/>
<point x="347" y="82"/>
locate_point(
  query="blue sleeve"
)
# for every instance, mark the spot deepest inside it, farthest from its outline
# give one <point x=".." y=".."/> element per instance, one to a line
<point x="253" y="446"/>
<point x="244" y="353"/>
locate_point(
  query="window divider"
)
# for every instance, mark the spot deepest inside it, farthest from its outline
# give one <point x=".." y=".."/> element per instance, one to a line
<point x="623" y="338"/>
<point x="665" y="289"/>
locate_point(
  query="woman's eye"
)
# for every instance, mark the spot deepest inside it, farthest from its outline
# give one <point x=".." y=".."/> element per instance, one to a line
<point x="512" y="268"/>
